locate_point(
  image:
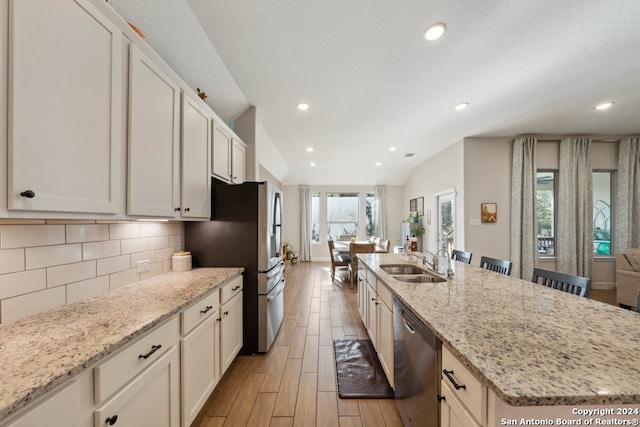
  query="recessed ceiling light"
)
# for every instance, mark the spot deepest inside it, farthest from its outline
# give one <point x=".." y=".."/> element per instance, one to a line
<point x="378" y="164"/>
<point x="392" y="148"/>
<point x="604" y="106"/>
<point x="461" y="106"/>
<point x="309" y="149"/>
<point x="303" y="106"/>
<point x="435" y="31"/>
<point x="312" y="164"/>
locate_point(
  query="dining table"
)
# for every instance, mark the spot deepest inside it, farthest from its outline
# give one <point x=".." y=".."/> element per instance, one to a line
<point x="343" y="246"/>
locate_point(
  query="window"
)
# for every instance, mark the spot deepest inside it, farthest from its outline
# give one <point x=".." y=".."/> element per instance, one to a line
<point x="342" y="215"/>
<point x="546" y="211"/>
<point x="370" y="199"/>
<point x="315" y="217"/>
<point x="602" y="219"/>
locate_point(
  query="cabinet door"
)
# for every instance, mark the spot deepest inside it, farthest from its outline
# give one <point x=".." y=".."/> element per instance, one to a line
<point x="200" y="366"/>
<point x="452" y="412"/>
<point x="221" y="162"/>
<point x="65" y="99"/>
<point x="230" y="331"/>
<point x="385" y="340"/>
<point x="372" y="312"/>
<point x="196" y="177"/>
<point x="151" y="399"/>
<point x="362" y="297"/>
<point x="237" y="162"/>
<point x="154" y="100"/>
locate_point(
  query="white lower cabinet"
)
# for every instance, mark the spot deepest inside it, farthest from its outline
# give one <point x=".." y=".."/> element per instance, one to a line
<point x="452" y="411"/>
<point x="70" y="405"/>
<point x="230" y="330"/>
<point x="372" y="314"/>
<point x="200" y="362"/>
<point x="151" y="399"/>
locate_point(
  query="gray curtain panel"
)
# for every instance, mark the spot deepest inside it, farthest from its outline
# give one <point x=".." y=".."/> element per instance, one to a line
<point x="305" y="224"/>
<point x="574" y="239"/>
<point x="627" y="232"/>
<point x="380" y="213"/>
<point x="524" y="242"/>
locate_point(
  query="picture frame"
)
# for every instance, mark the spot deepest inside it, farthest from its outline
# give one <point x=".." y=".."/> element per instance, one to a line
<point x="488" y="212"/>
<point x="417" y="205"/>
<point x="413" y="205"/>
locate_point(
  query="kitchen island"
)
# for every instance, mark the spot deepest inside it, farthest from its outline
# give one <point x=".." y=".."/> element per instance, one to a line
<point x="531" y="346"/>
<point x="43" y="351"/>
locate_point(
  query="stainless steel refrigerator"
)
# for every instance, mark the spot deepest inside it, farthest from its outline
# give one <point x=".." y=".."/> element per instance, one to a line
<point x="245" y="230"/>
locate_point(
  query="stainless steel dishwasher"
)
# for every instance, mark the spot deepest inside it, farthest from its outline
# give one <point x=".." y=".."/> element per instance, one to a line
<point x="417" y="356"/>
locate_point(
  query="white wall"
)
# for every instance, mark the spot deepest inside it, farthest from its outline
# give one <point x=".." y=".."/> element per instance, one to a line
<point x="444" y="171"/>
<point x="320" y="251"/>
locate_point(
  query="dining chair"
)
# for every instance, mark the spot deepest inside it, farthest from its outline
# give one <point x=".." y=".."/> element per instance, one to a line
<point x="461" y="256"/>
<point x="346" y="237"/>
<point x="638" y="302"/>
<point x="498" y="265"/>
<point x="576" y="285"/>
<point x="384" y="246"/>
<point x="337" y="260"/>
<point x="358" y="248"/>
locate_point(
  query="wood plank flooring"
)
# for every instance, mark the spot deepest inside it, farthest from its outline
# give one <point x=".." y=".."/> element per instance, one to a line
<point x="294" y="384"/>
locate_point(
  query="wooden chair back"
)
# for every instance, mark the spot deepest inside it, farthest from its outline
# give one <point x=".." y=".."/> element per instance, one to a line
<point x="576" y="285"/>
<point x="461" y="256"/>
<point x="358" y="248"/>
<point x="498" y="265"/>
<point x="638" y="302"/>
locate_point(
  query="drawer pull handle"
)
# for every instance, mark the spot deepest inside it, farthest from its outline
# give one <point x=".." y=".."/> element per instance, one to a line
<point x="235" y="288"/>
<point x="111" y="420"/>
<point x="206" y="309"/>
<point x="455" y="384"/>
<point x="154" y="348"/>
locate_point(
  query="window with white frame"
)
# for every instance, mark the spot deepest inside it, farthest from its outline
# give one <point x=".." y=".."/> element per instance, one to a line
<point x="546" y="186"/>
<point x="342" y="215"/>
<point x="370" y="200"/>
<point x="603" y="182"/>
<point x="315" y="217"/>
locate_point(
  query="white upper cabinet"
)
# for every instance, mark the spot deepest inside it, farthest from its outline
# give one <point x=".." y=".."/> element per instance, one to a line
<point x="237" y="162"/>
<point x="154" y="125"/>
<point x="221" y="162"/>
<point x="196" y="140"/>
<point x="65" y="98"/>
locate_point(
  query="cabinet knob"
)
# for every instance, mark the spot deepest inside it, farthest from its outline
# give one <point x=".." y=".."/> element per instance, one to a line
<point x="187" y="209"/>
<point x="177" y="209"/>
<point x="29" y="194"/>
<point x="226" y="313"/>
<point x="440" y="398"/>
<point x="111" y="420"/>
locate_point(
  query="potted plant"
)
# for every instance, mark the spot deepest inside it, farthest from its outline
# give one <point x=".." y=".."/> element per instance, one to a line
<point x="290" y="254"/>
<point x="415" y="224"/>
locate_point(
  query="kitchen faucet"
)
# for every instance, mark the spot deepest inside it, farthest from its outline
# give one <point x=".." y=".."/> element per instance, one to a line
<point x="432" y="261"/>
<point x="449" y="270"/>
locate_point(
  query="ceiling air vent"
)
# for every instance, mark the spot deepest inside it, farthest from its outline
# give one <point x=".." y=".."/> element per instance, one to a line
<point x="410" y="154"/>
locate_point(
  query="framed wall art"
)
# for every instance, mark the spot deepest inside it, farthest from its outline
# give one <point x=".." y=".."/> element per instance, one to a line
<point x="489" y="212"/>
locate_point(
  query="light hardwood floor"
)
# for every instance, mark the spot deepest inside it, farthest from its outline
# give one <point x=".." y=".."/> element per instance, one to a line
<point x="294" y="384"/>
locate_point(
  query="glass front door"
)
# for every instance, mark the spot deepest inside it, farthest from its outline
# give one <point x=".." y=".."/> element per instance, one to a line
<point x="446" y="221"/>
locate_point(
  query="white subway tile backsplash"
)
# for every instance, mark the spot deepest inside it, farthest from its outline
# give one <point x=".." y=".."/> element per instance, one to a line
<point x="128" y="246"/>
<point x="124" y="231"/>
<point x="97" y="250"/>
<point x="87" y="233"/>
<point x="24" y="236"/>
<point x="123" y="278"/>
<point x="48" y="256"/>
<point x="11" y="260"/>
<point x="151" y="229"/>
<point x="113" y="264"/>
<point x="87" y="288"/>
<point x="26" y="305"/>
<point x="63" y="274"/>
<point x="47" y="263"/>
<point x="158" y="242"/>
<point x="24" y="282"/>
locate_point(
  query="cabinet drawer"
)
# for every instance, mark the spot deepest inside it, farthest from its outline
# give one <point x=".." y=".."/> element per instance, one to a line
<point x="452" y="411"/>
<point x="474" y="395"/>
<point x="124" y="366"/>
<point x="231" y="288"/>
<point x="385" y="295"/>
<point x="199" y="311"/>
<point x="371" y="279"/>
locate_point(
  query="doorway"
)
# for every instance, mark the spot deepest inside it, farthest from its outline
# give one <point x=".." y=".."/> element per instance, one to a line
<point x="446" y="235"/>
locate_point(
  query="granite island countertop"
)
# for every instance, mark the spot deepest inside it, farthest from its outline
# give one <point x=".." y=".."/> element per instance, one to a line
<point x="530" y="344"/>
<point x="42" y="351"/>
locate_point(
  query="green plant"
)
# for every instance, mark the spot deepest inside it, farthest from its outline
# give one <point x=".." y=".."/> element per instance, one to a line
<point x="415" y="224"/>
<point x="288" y="250"/>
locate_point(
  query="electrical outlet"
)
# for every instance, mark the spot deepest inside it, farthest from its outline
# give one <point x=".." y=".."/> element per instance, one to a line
<point x="142" y="266"/>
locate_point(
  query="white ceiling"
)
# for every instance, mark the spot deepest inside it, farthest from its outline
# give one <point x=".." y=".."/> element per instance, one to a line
<point x="524" y="66"/>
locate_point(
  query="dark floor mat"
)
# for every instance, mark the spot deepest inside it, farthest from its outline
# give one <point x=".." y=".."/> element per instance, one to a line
<point x="360" y="375"/>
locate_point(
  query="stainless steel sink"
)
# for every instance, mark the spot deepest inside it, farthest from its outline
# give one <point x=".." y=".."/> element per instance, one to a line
<point x="402" y="269"/>
<point x="419" y="278"/>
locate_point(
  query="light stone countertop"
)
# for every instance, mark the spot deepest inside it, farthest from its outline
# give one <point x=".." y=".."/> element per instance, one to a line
<point x="530" y="344"/>
<point x="42" y="351"/>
